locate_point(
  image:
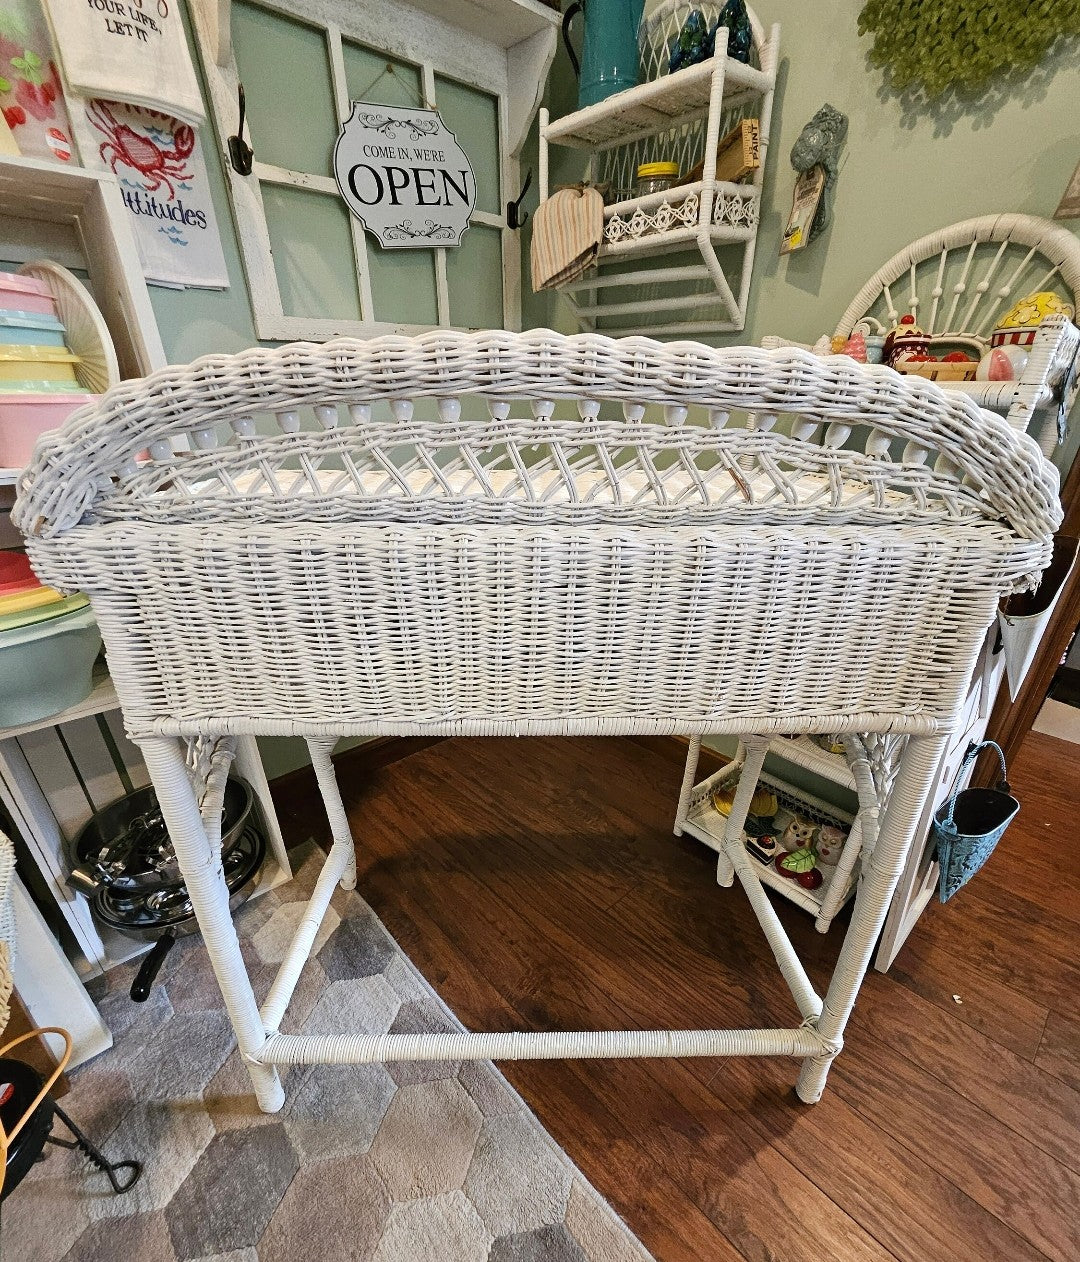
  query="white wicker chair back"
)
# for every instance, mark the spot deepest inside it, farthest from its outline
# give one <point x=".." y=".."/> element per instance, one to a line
<point x="958" y="282"/>
<point x="514" y="571"/>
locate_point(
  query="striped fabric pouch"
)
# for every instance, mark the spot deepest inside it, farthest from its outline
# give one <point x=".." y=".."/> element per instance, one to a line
<point x="567" y="231"/>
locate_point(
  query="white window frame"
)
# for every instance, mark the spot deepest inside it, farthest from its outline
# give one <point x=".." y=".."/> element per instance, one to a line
<point x="403" y="33"/>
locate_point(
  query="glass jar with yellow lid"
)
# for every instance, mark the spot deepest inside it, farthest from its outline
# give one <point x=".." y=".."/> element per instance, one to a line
<point x="656" y="177"/>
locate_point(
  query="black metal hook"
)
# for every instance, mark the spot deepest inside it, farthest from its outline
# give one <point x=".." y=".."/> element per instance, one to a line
<point x="515" y="216"/>
<point x="240" y="152"/>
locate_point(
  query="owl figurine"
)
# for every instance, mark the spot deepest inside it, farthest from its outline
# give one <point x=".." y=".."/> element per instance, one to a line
<point x="830" y="841"/>
<point x="799" y="835"/>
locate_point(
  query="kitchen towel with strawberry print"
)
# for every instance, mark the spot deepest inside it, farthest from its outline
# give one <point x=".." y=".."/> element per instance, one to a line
<point x="31" y="97"/>
<point x="159" y="163"/>
<point x="135" y="52"/>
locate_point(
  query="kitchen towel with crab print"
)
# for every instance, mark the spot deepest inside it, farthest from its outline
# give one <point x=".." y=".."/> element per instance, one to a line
<point x="159" y="163"/>
<point x="127" y="50"/>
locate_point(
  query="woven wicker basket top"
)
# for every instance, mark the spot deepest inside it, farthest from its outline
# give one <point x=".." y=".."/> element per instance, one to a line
<point x="372" y="448"/>
<point x="406" y="535"/>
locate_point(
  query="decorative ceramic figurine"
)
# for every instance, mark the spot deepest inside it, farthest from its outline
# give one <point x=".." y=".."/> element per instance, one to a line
<point x="907" y="344"/>
<point x="764" y="848"/>
<point x="801" y="866"/>
<point x="692" y="43"/>
<point x="763" y="805"/>
<point x="855" y="347"/>
<point x="696" y="40"/>
<point x="799" y="835"/>
<point x="1002" y="363"/>
<point x="1014" y="334"/>
<point x="740" y="33"/>
<point x="819" y="145"/>
<point x="873" y="337"/>
<point x="830" y="842"/>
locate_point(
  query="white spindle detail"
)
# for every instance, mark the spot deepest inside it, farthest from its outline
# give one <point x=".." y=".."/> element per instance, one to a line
<point x="877" y="444"/>
<point x="803" y="428"/>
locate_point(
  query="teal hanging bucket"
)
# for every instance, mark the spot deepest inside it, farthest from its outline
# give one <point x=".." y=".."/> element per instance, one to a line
<point x="970" y="824"/>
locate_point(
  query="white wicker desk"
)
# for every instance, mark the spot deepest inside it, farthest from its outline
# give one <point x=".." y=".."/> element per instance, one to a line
<point x="367" y="572"/>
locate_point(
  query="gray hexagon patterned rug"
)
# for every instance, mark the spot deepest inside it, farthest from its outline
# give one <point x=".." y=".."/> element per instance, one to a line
<point x="412" y="1162"/>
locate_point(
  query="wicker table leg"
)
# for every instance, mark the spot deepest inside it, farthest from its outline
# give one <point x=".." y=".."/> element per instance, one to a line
<point x="881" y="873"/>
<point x="200" y="864"/>
<point x="320" y="752"/>
<point x="693" y="753"/>
<point x="752" y="751"/>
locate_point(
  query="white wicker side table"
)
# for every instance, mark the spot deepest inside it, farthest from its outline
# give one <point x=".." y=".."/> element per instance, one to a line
<point x="423" y="545"/>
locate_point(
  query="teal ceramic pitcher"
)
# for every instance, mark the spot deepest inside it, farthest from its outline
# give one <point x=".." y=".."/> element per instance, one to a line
<point x="609" y="58"/>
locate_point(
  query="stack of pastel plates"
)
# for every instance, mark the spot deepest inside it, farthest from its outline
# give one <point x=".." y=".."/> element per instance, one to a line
<point x="55" y="355"/>
<point x="48" y="645"/>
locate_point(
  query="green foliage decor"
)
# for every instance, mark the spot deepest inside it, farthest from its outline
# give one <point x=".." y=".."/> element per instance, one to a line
<point x="935" y="45"/>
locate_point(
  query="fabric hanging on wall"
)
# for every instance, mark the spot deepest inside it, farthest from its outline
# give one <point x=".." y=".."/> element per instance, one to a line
<point x="31" y="96"/>
<point x="162" y="172"/>
<point x="124" y="52"/>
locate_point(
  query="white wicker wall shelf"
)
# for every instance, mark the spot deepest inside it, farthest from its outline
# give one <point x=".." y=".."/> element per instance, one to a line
<point x="704" y="822"/>
<point x="659" y="105"/>
<point x="677" y="117"/>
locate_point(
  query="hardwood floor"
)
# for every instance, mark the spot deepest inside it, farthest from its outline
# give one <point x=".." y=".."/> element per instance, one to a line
<point x="537" y="884"/>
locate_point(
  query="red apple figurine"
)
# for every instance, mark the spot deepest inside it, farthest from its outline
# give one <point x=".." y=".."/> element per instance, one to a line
<point x="778" y="863"/>
<point x="800" y="865"/>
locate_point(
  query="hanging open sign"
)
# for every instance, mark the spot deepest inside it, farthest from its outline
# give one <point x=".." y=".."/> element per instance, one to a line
<point x="404" y="176"/>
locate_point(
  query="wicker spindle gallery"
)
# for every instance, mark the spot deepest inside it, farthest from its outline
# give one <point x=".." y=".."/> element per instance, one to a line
<point x="466" y="534"/>
<point x="959" y="281"/>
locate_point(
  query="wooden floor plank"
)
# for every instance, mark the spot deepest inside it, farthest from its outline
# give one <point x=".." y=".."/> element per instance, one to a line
<point x="1015" y="943"/>
<point x="537" y="885"/>
<point x="912" y="1210"/>
<point x="1017" y="1182"/>
<point x="1025" y="1097"/>
<point x="1059" y="1052"/>
<point x="937" y="971"/>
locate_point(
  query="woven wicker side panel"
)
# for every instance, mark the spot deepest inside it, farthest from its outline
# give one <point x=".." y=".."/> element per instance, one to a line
<point x="410" y="628"/>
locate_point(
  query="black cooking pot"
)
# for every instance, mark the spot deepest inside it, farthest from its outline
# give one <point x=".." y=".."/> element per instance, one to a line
<point x="125" y="864"/>
<point x="20" y="1084"/>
